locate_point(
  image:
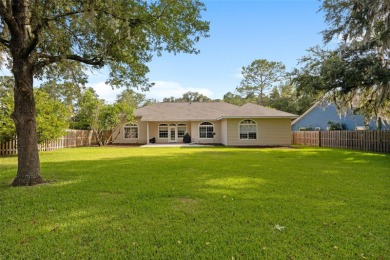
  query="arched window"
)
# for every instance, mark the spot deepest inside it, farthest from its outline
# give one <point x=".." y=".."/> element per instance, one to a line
<point x="206" y="130"/>
<point x="131" y="131"/>
<point x="163" y="131"/>
<point x="248" y="129"/>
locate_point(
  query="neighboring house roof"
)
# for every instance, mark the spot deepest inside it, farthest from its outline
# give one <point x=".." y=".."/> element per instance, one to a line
<point x="321" y="113"/>
<point x="318" y="103"/>
<point x="201" y="111"/>
<point x="255" y="111"/>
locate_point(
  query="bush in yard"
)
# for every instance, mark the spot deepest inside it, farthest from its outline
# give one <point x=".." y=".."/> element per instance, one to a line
<point x="335" y="126"/>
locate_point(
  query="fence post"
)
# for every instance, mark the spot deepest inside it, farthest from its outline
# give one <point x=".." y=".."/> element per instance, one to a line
<point x="364" y="140"/>
<point x="319" y="139"/>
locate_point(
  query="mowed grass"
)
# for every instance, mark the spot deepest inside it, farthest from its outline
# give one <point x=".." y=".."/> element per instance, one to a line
<point x="199" y="203"/>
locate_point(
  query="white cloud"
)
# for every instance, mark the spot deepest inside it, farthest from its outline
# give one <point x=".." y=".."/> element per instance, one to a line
<point x="238" y="74"/>
<point x="105" y="91"/>
<point x="164" y="89"/>
<point x="159" y="91"/>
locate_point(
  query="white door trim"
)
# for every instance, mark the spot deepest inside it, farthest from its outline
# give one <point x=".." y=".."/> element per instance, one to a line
<point x="172" y="134"/>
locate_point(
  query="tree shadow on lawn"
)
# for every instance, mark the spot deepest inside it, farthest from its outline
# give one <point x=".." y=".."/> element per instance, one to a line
<point x="204" y="163"/>
<point x="117" y="205"/>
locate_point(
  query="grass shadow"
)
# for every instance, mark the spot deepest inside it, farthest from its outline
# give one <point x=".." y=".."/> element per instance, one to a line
<point x="181" y="203"/>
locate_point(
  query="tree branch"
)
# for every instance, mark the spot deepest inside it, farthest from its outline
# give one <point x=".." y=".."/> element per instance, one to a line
<point x="5" y="42"/>
<point x="8" y="17"/>
<point x="46" y="21"/>
<point x="37" y="30"/>
<point x="48" y="59"/>
<point x="3" y="8"/>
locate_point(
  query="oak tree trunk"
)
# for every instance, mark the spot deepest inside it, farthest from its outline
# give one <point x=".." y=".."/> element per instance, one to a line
<point x="21" y="45"/>
<point x="24" y="117"/>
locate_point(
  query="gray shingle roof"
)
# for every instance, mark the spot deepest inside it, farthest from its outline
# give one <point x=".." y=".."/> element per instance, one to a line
<point x="256" y="111"/>
<point x="194" y="111"/>
<point x="200" y="111"/>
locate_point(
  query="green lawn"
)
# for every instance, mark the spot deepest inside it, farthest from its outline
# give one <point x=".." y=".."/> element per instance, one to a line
<point x="186" y="203"/>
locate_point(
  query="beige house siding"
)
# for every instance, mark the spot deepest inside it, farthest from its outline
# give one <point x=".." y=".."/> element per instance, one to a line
<point x="270" y="132"/>
<point x="119" y="134"/>
<point x="195" y="133"/>
<point x="224" y="136"/>
<point x="142" y="133"/>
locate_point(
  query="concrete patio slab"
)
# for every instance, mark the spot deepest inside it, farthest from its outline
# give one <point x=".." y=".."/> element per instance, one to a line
<point x="176" y="145"/>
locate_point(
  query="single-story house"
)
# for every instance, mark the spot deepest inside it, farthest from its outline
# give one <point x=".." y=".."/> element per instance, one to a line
<point x="207" y="123"/>
<point x="318" y="116"/>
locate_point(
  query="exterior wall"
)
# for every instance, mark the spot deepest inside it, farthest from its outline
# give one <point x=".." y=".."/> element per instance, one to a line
<point x="118" y="134"/>
<point x="224" y="138"/>
<point x="195" y="133"/>
<point x="153" y="131"/>
<point x="270" y="132"/>
<point x="142" y="133"/>
<point x="320" y="116"/>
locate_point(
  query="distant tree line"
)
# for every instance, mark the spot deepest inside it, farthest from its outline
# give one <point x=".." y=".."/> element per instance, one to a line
<point x="355" y="75"/>
<point x="265" y="83"/>
<point x="63" y="105"/>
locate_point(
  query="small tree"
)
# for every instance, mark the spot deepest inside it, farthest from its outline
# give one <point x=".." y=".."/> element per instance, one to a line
<point x="52" y="115"/>
<point x="260" y="76"/>
<point x="111" y="118"/>
<point x="103" y="118"/>
<point x="89" y="106"/>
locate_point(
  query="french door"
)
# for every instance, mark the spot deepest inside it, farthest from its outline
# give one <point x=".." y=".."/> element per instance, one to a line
<point x="172" y="134"/>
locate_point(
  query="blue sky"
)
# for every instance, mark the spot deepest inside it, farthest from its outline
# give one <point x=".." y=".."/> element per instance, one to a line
<point x="240" y="32"/>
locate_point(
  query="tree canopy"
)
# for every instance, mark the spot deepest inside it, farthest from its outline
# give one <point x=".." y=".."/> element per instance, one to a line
<point x="190" y="96"/>
<point x="122" y="35"/>
<point x="62" y="39"/>
<point x="355" y="75"/>
<point x="259" y="76"/>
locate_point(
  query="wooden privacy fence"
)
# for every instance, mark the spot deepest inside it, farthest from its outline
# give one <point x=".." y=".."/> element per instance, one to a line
<point x="73" y="138"/>
<point x="374" y="141"/>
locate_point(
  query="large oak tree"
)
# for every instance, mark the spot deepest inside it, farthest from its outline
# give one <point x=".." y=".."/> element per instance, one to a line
<point x="49" y="38"/>
<point x="356" y="75"/>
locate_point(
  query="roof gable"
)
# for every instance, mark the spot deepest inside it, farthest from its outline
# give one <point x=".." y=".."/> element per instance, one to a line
<point x="317" y="104"/>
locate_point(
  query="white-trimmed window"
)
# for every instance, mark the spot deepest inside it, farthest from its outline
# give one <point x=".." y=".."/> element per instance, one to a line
<point x="131" y="131"/>
<point x="163" y="131"/>
<point x="181" y="130"/>
<point x="206" y="130"/>
<point x="248" y="129"/>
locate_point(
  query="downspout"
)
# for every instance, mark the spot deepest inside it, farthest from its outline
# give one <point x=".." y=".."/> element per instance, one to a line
<point x="147" y="132"/>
